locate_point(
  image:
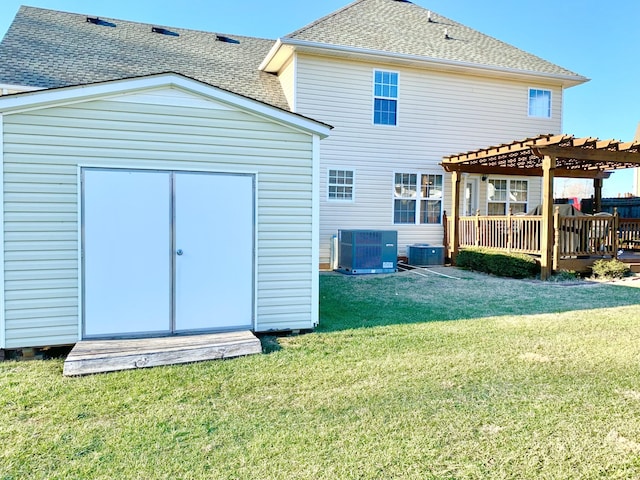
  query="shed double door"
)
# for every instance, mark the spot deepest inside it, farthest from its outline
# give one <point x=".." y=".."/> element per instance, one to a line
<point x="166" y="252"/>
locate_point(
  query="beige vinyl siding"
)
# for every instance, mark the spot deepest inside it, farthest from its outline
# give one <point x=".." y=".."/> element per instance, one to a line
<point x="287" y="78"/>
<point x="439" y="113"/>
<point x="42" y="151"/>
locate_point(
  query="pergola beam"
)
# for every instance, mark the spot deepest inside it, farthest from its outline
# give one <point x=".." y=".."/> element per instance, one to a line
<point x="584" y="154"/>
<point x="524" y="172"/>
<point x="624" y="158"/>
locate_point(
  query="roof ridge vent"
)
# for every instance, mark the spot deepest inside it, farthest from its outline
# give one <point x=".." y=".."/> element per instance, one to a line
<point x="164" y="31"/>
<point x="97" y="21"/>
<point x="225" y="39"/>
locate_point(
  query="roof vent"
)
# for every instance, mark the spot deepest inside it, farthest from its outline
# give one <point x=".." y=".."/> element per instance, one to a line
<point x="164" y="31"/>
<point x="102" y="23"/>
<point x="446" y="35"/>
<point x="429" y="19"/>
<point x="222" y="38"/>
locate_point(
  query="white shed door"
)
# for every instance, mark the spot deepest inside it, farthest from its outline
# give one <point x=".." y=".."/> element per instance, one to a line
<point x="167" y="252"/>
<point x="214" y="245"/>
<point x="127" y="252"/>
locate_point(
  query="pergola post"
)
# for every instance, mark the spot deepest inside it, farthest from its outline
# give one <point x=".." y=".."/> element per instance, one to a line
<point x="455" y="215"/>
<point x="546" y="240"/>
<point x="597" y="197"/>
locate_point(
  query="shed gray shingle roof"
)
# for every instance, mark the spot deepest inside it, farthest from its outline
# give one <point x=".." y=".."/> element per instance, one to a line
<point x="399" y="26"/>
<point x="47" y="48"/>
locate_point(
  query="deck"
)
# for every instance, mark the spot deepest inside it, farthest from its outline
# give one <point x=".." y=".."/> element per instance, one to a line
<point x="99" y="356"/>
<point x="576" y="241"/>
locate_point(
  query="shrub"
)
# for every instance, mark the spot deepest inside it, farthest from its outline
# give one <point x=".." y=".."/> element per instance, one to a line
<point x="514" y="265"/>
<point x="610" y="269"/>
<point x="564" y="276"/>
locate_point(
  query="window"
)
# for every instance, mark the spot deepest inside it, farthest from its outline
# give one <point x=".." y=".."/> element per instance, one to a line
<point x="507" y="194"/>
<point x="539" y="103"/>
<point x="385" y="98"/>
<point x="340" y="185"/>
<point x="411" y="203"/>
<point x="404" y="203"/>
<point x="431" y="203"/>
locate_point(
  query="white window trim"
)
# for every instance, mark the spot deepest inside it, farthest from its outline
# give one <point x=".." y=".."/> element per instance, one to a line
<point x="550" y="103"/>
<point x="353" y="186"/>
<point x="373" y="99"/>
<point x="418" y="197"/>
<point x="507" y="202"/>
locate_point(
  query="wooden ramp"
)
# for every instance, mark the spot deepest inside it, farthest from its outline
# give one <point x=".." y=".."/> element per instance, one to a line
<point x="98" y="356"/>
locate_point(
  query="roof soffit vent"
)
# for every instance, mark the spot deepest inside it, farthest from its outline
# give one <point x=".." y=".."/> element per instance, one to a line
<point x="225" y="39"/>
<point x="164" y="31"/>
<point x="98" y="21"/>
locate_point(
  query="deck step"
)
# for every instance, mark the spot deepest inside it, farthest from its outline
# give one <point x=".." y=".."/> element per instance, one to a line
<point x="634" y="267"/>
<point x="99" y="356"/>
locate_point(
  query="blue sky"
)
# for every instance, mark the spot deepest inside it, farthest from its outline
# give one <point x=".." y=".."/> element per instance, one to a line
<point x="593" y="38"/>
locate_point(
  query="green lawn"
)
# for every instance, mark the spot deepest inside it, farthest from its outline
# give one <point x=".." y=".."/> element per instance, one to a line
<point x="407" y="377"/>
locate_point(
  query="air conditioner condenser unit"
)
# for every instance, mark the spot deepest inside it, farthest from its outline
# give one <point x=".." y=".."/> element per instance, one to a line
<point x="367" y="251"/>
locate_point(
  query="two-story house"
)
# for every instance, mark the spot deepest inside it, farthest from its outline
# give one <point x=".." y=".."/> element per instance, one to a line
<point x="400" y="85"/>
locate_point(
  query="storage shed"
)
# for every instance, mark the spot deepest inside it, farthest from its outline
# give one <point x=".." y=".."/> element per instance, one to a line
<point x="153" y="206"/>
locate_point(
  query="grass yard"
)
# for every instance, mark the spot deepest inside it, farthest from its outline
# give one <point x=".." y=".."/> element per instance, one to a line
<point x="407" y="377"/>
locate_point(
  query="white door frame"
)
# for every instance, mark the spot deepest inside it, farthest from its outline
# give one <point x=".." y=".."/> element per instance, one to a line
<point x="474" y="196"/>
<point x="172" y="252"/>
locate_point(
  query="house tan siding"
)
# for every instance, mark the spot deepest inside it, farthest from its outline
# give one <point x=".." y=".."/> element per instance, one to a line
<point x="42" y="151"/>
<point x="287" y="78"/>
<point x="439" y="113"/>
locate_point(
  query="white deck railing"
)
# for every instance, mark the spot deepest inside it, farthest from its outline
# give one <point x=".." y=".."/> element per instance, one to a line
<point x="583" y="235"/>
<point x="511" y="233"/>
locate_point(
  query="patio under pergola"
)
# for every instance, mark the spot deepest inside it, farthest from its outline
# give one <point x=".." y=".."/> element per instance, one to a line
<point x="547" y="156"/>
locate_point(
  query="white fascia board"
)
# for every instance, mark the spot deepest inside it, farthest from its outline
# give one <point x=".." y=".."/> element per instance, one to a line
<point x="69" y="95"/>
<point x="272" y="53"/>
<point x="19" y="88"/>
<point x="416" y="60"/>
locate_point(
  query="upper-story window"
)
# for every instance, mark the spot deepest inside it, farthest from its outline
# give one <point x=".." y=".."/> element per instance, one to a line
<point x="539" y="103"/>
<point x="385" y="98"/>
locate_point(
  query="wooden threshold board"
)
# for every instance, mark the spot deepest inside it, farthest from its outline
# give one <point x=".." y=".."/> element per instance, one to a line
<point x="99" y="356"/>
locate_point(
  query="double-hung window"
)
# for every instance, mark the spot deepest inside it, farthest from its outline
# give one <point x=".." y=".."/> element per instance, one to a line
<point x="385" y="98"/>
<point x="415" y="202"/>
<point x="505" y="195"/>
<point x="340" y="185"/>
<point x="539" y="103"/>
<point x="431" y="199"/>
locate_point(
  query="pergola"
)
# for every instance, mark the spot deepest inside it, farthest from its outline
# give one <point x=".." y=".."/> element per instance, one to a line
<point x="546" y="156"/>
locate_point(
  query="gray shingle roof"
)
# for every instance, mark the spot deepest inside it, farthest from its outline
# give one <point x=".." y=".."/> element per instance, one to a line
<point x="399" y="26"/>
<point x="46" y="48"/>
